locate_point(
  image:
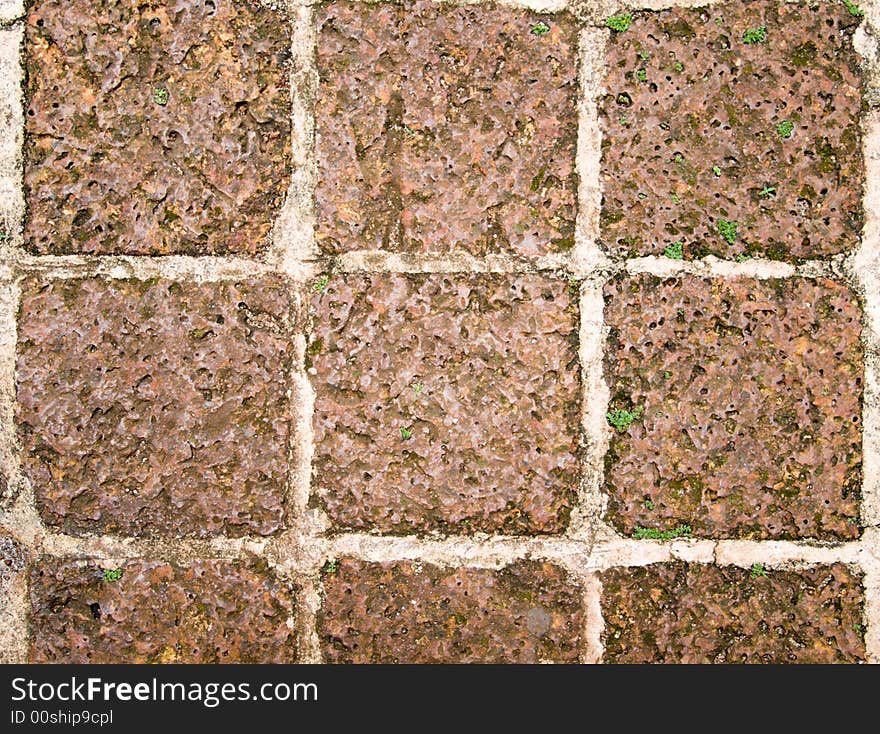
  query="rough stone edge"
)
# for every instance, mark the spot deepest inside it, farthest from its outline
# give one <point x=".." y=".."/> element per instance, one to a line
<point x="592" y="500"/>
<point x="594" y="622"/>
<point x="14" y="632"/>
<point x="866" y="272"/>
<point x="11" y="138"/>
<point x="293" y="234"/>
<point x="293" y="553"/>
<point x="381" y="261"/>
<point x="587" y="255"/>
<point x="11" y="10"/>
<point x="539" y="6"/>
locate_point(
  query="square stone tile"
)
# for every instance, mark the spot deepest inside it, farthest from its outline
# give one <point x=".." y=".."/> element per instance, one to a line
<point x="444" y="127"/>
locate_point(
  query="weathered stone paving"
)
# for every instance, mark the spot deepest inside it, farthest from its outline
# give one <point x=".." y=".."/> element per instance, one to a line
<point x="422" y="332"/>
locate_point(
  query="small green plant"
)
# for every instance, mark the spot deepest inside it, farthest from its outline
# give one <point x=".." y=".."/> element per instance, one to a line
<point x="682" y="531"/>
<point x="717" y="171"/>
<point x="642" y="75"/>
<point x="742" y="257"/>
<point x="624" y="120"/>
<point x="755" y="35"/>
<point x="623" y="419"/>
<point x="678" y="66"/>
<point x="112" y="575"/>
<point x="728" y="230"/>
<point x="619" y="22"/>
<point x="785" y="128"/>
<point x="644" y="55"/>
<point x="675" y="198"/>
<point x="406" y="433"/>
<point x="675" y="251"/>
<point x="858" y="628"/>
<point x="320" y="284"/>
<point x="667" y="375"/>
<point x="758" y="570"/>
<point x="649" y="505"/>
<point x="767" y="192"/>
<point x="160" y="96"/>
<point x="331" y="567"/>
<point x="418" y="387"/>
<point x="854" y="9"/>
<point x="540" y="29"/>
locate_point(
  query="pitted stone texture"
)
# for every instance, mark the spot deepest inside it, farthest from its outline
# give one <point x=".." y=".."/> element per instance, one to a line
<point x="750" y="392"/>
<point x="404" y="612"/>
<point x="203" y="612"/>
<point x="684" y="93"/>
<point x="680" y="613"/>
<point x="446" y="402"/>
<point x="156" y="407"/>
<point x="155" y="127"/>
<point x="443" y="127"/>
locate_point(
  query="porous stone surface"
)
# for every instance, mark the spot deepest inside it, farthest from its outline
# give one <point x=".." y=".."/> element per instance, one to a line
<point x="155" y="127"/>
<point x="445" y="127"/>
<point x="680" y="613"/>
<point x="747" y="397"/>
<point x="154" y="612"/>
<point x="403" y="612"/>
<point x="695" y="131"/>
<point x="156" y="407"/>
<point x="446" y="402"/>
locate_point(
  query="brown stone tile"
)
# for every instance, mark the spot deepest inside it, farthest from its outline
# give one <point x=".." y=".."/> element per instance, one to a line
<point x="155" y="128"/>
<point x="695" y="132"/>
<point x="156" y="407"/>
<point x="748" y="401"/>
<point x="442" y="127"/>
<point x="418" y="613"/>
<point x="154" y="612"/>
<point x="446" y="402"/>
<point x="680" y="613"/>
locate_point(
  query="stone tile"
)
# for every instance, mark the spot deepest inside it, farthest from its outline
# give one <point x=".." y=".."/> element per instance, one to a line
<point x="446" y="402"/>
<point x="680" y="613"/>
<point x="528" y="612"/>
<point x="155" y="128"/>
<point x="733" y="129"/>
<point x="445" y="127"/>
<point x="156" y="407"/>
<point x="154" y="612"/>
<point x="743" y="399"/>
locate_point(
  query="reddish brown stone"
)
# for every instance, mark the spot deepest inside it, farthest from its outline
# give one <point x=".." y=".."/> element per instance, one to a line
<point x="203" y="612"/>
<point x="749" y="401"/>
<point x="680" y="613"/>
<point x="684" y="92"/>
<point x="155" y="127"/>
<point x="446" y="402"/>
<point x="441" y="127"/>
<point x="417" y="613"/>
<point x="150" y="407"/>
